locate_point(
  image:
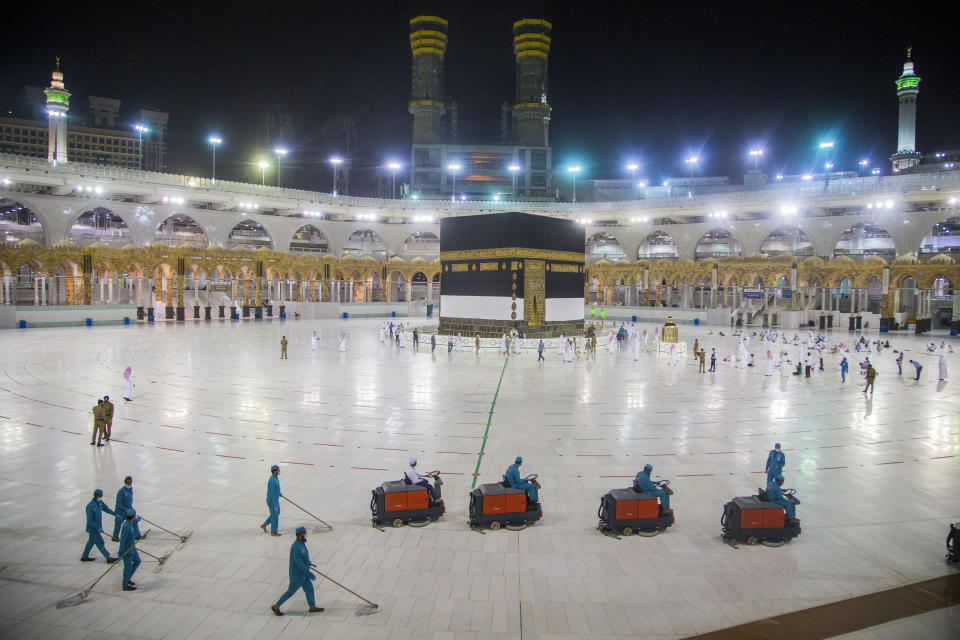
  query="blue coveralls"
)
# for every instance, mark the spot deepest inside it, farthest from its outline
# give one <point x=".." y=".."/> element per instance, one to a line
<point x="124" y="502"/>
<point x="515" y="481"/>
<point x="646" y="485"/>
<point x="775" y="462"/>
<point x="273" y="502"/>
<point x="776" y="496"/>
<point x="131" y="558"/>
<point x="844" y="367"/>
<point x="300" y="576"/>
<point x="95" y="509"/>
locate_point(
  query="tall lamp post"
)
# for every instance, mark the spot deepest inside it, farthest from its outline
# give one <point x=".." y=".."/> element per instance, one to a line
<point x="756" y="154"/>
<point x="513" y="180"/>
<point x="632" y="168"/>
<point x="692" y="164"/>
<point x="281" y="153"/>
<point x="453" y="167"/>
<point x="214" y="141"/>
<point x="393" y="166"/>
<point x="826" y="146"/>
<point x="336" y="161"/>
<point x="574" y="171"/>
<point x="863" y="166"/>
<point x="263" y="164"/>
<point x="140" y="131"/>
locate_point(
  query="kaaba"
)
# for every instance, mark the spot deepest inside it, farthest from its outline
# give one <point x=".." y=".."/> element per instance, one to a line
<point x="505" y="271"/>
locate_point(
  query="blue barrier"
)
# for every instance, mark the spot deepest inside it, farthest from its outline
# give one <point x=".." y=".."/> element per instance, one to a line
<point x="23" y="324"/>
<point x="126" y="320"/>
<point x="89" y="322"/>
<point x="633" y="318"/>
<point x="393" y="314"/>
<point x="283" y="316"/>
<point x="696" y="321"/>
<point x="345" y="315"/>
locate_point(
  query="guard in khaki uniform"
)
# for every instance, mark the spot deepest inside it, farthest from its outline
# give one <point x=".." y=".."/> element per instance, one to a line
<point x="97" y="424"/>
<point x="283" y="348"/>
<point x="107" y="417"/>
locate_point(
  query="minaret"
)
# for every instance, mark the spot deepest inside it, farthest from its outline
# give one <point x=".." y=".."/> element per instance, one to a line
<point x="908" y="87"/>
<point x="428" y="42"/>
<point x="531" y="47"/>
<point x="58" y="105"/>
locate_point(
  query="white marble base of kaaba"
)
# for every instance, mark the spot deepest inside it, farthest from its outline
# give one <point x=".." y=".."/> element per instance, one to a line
<point x="664" y="347"/>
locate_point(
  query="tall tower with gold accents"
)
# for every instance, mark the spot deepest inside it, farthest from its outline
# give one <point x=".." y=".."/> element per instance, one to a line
<point x="58" y="105"/>
<point x="908" y="88"/>
<point x="531" y="47"/>
<point x="428" y="42"/>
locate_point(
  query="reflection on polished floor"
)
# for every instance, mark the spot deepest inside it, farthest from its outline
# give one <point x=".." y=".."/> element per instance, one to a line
<point x="214" y="407"/>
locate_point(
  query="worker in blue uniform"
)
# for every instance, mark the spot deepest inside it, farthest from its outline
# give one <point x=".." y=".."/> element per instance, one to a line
<point x="128" y="549"/>
<point x="273" y="502"/>
<point x="300" y="575"/>
<point x="516" y="482"/>
<point x="644" y="484"/>
<point x="124" y="502"/>
<point x="775" y="495"/>
<point x="95" y="509"/>
<point x="775" y="462"/>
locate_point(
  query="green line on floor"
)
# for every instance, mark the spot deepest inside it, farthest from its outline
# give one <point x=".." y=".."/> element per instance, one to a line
<point x="476" y="471"/>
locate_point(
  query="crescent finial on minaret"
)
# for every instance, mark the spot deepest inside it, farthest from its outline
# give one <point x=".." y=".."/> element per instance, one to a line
<point x="58" y="61"/>
<point x="909" y="50"/>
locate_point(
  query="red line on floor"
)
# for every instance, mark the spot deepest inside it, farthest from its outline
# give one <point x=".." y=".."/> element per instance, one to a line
<point x="616" y="476"/>
<point x="305" y="464"/>
<point x="170" y="426"/>
<point x="880" y="442"/>
<point x="451" y="473"/>
<point x="169" y="449"/>
<point x="389" y="449"/>
<point x="217" y="433"/>
<point x="115" y="440"/>
<point x="659" y="454"/>
<point x="220" y="455"/>
<point x="32" y="424"/>
<point x="941" y="457"/>
<point x="132" y="420"/>
<point x="369" y="468"/>
<point x="324" y="444"/>
<point x="825" y="468"/>
<point x="895" y="462"/>
<point x="73" y="432"/>
<point x="693" y="475"/>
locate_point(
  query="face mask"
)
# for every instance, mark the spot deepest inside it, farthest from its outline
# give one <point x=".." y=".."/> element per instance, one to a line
<point x="304" y="538"/>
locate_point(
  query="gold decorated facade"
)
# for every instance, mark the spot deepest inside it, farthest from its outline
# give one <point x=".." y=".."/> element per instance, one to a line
<point x="670" y="332"/>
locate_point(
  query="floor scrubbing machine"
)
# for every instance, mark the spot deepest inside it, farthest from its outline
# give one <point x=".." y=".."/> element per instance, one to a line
<point x="754" y="519"/>
<point x="628" y="511"/>
<point x="399" y="502"/>
<point x="497" y="504"/>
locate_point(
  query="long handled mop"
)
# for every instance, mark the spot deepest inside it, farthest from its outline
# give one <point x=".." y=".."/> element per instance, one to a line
<point x="316" y="529"/>
<point x="183" y="538"/>
<point x="160" y="559"/>
<point x="74" y="600"/>
<point x="363" y="609"/>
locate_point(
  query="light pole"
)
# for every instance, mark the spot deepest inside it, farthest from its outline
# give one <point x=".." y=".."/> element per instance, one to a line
<point x="140" y="130"/>
<point x="336" y="161"/>
<point x="691" y="163"/>
<point x="876" y="172"/>
<point x="574" y="171"/>
<point x="632" y="168"/>
<point x="263" y="164"/>
<point x="214" y="141"/>
<point x="826" y="146"/>
<point x="453" y="167"/>
<point x="513" y="174"/>
<point x="281" y="153"/>
<point x="393" y="166"/>
<point x="755" y="154"/>
<point x="863" y="166"/>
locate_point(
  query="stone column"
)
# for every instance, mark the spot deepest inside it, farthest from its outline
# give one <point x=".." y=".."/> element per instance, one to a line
<point x="43" y="290"/>
<point x="409" y="291"/>
<point x="36" y="291"/>
<point x="430" y="291"/>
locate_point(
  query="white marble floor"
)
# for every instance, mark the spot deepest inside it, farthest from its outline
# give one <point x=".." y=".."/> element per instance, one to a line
<point x="214" y="407"/>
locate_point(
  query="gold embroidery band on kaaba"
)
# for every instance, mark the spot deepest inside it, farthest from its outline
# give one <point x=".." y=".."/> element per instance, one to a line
<point x="512" y="252"/>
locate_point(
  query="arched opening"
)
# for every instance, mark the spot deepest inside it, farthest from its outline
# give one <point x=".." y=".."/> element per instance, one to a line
<point x="181" y="231"/>
<point x="717" y="243"/>
<point x="421" y="243"/>
<point x="908" y="298"/>
<point x="365" y="242"/>
<point x="249" y="234"/>
<point x="376" y="288"/>
<point x="941" y="304"/>
<point x="398" y="287"/>
<point x="18" y="223"/>
<point x="99" y="225"/>
<point x="658" y="245"/>
<point x="787" y="239"/>
<point x="863" y="239"/>
<point x="874" y="295"/>
<point x="841" y="295"/>
<point x="604" y="246"/>
<point x="418" y="287"/>
<point x="309" y="239"/>
<point x="944" y="237"/>
<point x="26" y="285"/>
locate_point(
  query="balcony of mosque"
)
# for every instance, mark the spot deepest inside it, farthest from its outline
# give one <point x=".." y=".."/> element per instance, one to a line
<point x="36" y="174"/>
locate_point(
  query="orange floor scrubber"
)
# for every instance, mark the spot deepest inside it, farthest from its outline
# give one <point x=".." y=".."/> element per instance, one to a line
<point x="399" y="502"/>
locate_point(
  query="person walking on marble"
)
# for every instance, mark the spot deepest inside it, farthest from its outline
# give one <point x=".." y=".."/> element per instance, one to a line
<point x="98" y="423"/>
<point x="124" y="501"/>
<point x="540" y="348"/>
<point x="283" y="348"/>
<point x="107" y="417"/>
<point x="900" y="364"/>
<point x="476" y="347"/>
<point x="942" y="365"/>
<point x="128" y="549"/>
<point x="94" y="512"/>
<point x="128" y="384"/>
<point x="776" y="460"/>
<point x="273" y="502"/>
<point x="844" y="368"/>
<point x="299" y="573"/>
<point x="703" y="360"/>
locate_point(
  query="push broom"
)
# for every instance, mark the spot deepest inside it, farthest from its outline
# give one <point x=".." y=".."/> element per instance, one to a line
<point x="183" y="538"/>
<point x="74" y="600"/>
<point x="316" y="528"/>
<point x="363" y="609"/>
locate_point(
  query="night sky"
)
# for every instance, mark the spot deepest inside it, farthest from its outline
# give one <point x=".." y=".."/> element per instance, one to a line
<point x="641" y="82"/>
